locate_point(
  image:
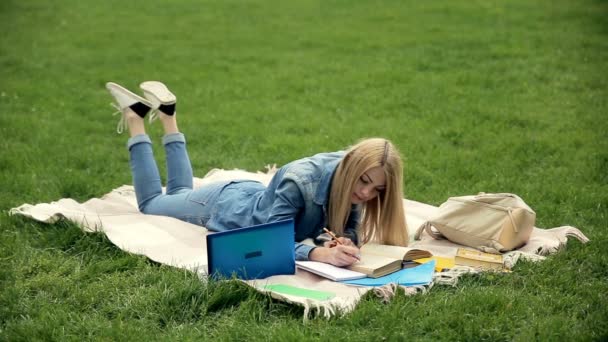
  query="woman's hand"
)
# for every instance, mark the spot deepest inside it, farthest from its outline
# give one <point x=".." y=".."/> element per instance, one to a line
<point x="340" y="255"/>
<point x="343" y="240"/>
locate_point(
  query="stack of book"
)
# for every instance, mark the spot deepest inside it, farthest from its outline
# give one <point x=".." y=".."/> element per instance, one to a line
<point x="480" y="260"/>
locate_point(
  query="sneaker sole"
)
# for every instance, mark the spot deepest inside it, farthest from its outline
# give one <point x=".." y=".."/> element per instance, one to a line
<point x="154" y="90"/>
<point x="112" y="85"/>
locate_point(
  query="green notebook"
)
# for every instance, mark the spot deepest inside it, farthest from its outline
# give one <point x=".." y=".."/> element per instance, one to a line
<point x="300" y="292"/>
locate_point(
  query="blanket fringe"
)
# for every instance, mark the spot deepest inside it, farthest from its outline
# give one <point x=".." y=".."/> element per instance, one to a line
<point x="328" y="311"/>
<point x="28" y="210"/>
<point x="562" y="239"/>
<point x="18" y="210"/>
<point x="415" y="289"/>
<point x="386" y="292"/>
<point x="316" y="309"/>
<point x="270" y="169"/>
<point x="306" y="311"/>
<point x="511" y="258"/>
<point x="576" y="233"/>
<point x="450" y="277"/>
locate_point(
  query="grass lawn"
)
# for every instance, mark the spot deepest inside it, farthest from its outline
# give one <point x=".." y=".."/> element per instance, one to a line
<point x="494" y="96"/>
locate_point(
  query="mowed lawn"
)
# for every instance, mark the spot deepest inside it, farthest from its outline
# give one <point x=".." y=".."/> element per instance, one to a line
<point x="494" y="96"/>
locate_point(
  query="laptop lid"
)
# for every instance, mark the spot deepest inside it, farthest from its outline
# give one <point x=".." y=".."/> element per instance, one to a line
<point x="254" y="252"/>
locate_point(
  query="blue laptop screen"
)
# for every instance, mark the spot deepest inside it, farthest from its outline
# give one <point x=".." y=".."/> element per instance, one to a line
<point x="254" y="252"/>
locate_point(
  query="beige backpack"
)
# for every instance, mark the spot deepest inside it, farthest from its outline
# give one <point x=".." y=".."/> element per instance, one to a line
<point x="492" y="223"/>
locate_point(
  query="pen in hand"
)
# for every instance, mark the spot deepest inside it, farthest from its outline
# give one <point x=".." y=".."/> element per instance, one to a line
<point x="335" y="238"/>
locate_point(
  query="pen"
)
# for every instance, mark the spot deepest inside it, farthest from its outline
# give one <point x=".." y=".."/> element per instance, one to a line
<point x="333" y="236"/>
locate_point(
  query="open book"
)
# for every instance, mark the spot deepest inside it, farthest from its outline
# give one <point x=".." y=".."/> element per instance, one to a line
<point x="378" y="260"/>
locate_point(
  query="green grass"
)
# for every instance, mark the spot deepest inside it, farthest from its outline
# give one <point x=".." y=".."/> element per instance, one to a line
<point x="479" y="95"/>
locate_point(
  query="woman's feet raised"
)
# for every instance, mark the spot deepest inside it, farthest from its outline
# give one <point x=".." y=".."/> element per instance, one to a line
<point x="164" y="102"/>
<point x="158" y="101"/>
<point x="132" y="107"/>
<point x="159" y="95"/>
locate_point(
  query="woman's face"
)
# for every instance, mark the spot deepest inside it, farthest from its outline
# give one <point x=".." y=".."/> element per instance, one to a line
<point x="369" y="185"/>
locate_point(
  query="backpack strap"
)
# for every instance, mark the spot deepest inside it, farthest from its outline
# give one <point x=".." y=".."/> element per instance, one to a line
<point x="509" y="211"/>
<point x="429" y="230"/>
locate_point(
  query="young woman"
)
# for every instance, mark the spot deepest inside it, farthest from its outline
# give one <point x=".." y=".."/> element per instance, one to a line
<point x="356" y="193"/>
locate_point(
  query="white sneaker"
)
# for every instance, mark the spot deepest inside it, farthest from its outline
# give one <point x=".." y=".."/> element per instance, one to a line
<point x="161" y="98"/>
<point x="124" y="99"/>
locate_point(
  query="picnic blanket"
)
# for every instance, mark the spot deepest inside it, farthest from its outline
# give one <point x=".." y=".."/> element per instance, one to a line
<point x="180" y="244"/>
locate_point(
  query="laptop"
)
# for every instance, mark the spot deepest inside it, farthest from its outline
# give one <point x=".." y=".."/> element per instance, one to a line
<point x="254" y="252"/>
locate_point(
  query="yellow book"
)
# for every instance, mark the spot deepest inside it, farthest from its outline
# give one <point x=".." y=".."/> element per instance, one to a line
<point x="485" y="261"/>
<point x="379" y="260"/>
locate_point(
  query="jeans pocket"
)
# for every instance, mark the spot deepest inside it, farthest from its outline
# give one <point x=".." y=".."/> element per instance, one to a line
<point x="207" y="194"/>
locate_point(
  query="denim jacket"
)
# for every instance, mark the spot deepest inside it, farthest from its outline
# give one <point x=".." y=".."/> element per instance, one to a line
<point x="299" y="190"/>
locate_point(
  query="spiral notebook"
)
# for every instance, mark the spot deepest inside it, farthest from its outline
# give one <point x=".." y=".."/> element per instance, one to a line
<point x="329" y="271"/>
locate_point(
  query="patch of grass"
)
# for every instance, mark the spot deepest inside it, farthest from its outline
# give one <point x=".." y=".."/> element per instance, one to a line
<point x="479" y="95"/>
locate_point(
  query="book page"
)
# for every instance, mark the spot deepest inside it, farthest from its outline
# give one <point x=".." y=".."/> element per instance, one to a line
<point x="395" y="252"/>
<point x="372" y="264"/>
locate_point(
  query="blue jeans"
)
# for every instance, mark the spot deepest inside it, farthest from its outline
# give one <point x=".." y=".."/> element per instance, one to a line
<point x="180" y="200"/>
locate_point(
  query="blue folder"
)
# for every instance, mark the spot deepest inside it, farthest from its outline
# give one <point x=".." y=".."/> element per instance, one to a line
<point x="419" y="275"/>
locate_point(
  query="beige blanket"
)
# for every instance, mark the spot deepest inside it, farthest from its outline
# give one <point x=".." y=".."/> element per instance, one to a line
<point x="173" y="242"/>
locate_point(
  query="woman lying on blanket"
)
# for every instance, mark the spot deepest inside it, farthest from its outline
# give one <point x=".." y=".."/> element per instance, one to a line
<point x="340" y="190"/>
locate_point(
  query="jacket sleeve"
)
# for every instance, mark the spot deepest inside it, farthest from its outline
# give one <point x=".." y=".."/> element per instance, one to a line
<point x="287" y="204"/>
<point x="302" y="251"/>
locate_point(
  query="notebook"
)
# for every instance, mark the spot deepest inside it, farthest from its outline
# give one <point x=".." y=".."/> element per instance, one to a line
<point x="329" y="271"/>
<point x="254" y="252"/>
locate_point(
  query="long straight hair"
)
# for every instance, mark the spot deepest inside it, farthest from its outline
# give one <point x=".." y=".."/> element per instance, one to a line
<point x="383" y="217"/>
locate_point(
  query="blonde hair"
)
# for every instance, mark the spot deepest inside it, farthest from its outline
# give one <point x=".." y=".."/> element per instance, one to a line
<point x="382" y="218"/>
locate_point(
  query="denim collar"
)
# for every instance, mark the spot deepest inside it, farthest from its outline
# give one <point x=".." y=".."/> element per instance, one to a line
<point x="322" y="193"/>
